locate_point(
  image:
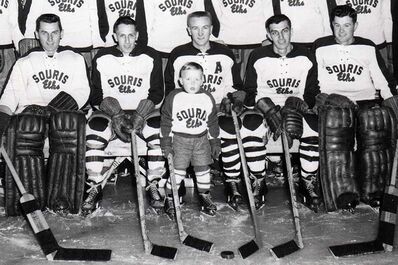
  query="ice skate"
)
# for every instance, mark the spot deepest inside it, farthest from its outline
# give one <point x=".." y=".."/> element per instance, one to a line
<point x="155" y="199"/>
<point x="207" y="206"/>
<point x="91" y="203"/>
<point x="260" y="190"/>
<point x="308" y="193"/>
<point x="234" y="198"/>
<point x="169" y="208"/>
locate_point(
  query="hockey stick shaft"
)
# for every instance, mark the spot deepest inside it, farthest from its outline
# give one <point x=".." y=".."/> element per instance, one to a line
<point x="109" y="172"/>
<point x="246" y="178"/>
<point x="176" y="200"/>
<point x="289" y="170"/>
<point x="140" y="195"/>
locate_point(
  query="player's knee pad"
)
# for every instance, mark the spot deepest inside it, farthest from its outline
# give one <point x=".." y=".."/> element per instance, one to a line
<point x="66" y="164"/>
<point x="337" y="162"/>
<point x="227" y="128"/>
<point x="24" y="143"/>
<point x="98" y="131"/>
<point x="375" y="148"/>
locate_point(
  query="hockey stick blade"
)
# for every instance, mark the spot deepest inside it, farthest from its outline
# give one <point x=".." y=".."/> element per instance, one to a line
<point x="185" y="239"/>
<point x="291" y="246"/>
<point x="164" y="251"/>
<point x="42" y="231"/>
<point x="284" y="249"/>
<point x="355" y="249"/>
<point x="198" y="243"/>
<point x="248" y="249"/>
<point x="156" y="250"/>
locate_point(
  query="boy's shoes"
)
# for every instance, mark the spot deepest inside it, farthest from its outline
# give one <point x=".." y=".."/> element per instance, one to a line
<point x="207" y="205"/>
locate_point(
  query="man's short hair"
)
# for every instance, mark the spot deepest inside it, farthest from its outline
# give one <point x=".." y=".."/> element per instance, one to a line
<point x="199" y="14"/>
<point x="342" y="11"/>
<point x="124" y="20"/>
<point x="190" y="66"/>
<point x="48" y="18"/>
<point x="276" y="19"/>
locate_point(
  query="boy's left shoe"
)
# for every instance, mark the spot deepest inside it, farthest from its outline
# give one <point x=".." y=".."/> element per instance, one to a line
<point x="207" y="206"/>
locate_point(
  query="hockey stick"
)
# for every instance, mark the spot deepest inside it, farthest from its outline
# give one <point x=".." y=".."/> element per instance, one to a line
<point x="185" y="239"/>
<point x="387" y="220"/>
<point x="149" y="247"/>
<point x="252" y="246"/>
<point x="42" y="231"/>
<point x="118" y="160"/>
<point x="290" y="246"/>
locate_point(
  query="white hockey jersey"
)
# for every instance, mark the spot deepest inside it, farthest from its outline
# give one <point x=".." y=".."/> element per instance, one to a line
<point x="242" y="22"/>
<point x="37" y="79"/>
<point x="9" y="30"/>
<point x="355" y="71"/>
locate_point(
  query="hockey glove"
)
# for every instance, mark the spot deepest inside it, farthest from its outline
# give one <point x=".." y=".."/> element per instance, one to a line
<point x="319" y="101"/>
<point x="166" y="146"/>
<point x="144" y="108"/>
<point x="272" y="115"/>
<point x="215" y="145"/>
<point x="122" y="123"/>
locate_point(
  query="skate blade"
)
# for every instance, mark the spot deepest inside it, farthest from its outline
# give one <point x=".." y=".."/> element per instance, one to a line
<point x="248" y="249"/>
<point x="284" y="249"/>
<point x="198" y="243"/>
<point x="355" y="249"/>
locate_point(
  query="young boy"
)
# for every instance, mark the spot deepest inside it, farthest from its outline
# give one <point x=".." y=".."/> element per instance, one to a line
<point x="189" y="130"/>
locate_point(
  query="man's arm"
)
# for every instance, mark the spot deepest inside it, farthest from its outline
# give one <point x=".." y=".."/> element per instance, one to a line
<point x="80" y="88"/>
<point x="169" y="74"/>
<point x="381" y="77"/>
<point x="311" y="84"/>
<point x="96" y="94"/>
<point x="156" y="90"/>
<point x="212" y="122"/>
<point x="387" y="18"/>
<point x="250" y="85"/>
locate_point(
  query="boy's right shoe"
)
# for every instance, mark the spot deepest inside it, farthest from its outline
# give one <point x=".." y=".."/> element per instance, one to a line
<point x="91" y="203"/>
<point x="207" y="206"/>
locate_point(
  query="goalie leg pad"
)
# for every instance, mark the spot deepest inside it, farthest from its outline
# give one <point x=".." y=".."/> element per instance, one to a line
<point x="337" y="161"/>
<point x="25" y="142"/>
<point x="66" y="164"/>
<point x="375" y="151"/>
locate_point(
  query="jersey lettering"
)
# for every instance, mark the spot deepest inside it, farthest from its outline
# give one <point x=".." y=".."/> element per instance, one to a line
<point x="3" y="3"/>
<point x="345" y="72"/>
<point x="283" y="82"/>
<point x="176" y="7"/>
<point x="210" y="82"/>
<point x="194" y="117"/>
<point x="50" y="78"/>
<point x="362" y="6"/>
<point x="295" y="3"/>
<point x="125" y="83"/>
<point x="218" y="68"/>
<point x="240" y="3"/>
<point x="67" y="5"/>
<point x="123" y="8"/>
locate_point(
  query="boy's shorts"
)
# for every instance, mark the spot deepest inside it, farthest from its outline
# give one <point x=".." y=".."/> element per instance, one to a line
<point x="195" y="150"/>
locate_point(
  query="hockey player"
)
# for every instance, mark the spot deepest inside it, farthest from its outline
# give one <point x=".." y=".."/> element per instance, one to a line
<point x="222" y="77"/>
<point x="374" y="23"/>
<point x="242" y="26"/>
<point x="109" y="11"/>
<point x="352" y="67"/>
<point x="284" y="75"/>
<point x="45" y="89"/>
<point x="77" y="16"/>
<point x="164" y="22"/>
<point x="309" y="17"/>
<point x="189" y="130"/>
<point x="128" y="83"/>
<point x="9" y="30"/>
